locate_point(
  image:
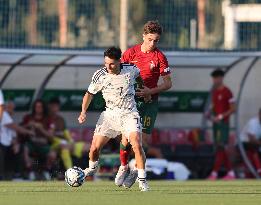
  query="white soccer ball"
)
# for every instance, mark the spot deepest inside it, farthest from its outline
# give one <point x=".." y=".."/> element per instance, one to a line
<point x="74" y="176"/>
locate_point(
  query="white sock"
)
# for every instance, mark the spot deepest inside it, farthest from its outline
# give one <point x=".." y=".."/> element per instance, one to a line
<point x="93" y="165"/>
<point x="141" y="174"/>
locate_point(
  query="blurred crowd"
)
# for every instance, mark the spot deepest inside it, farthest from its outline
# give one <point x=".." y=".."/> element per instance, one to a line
<point x="40" y="146"/>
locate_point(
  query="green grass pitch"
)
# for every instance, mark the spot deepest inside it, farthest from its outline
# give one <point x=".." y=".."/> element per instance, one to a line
<point x="106" y="193"/>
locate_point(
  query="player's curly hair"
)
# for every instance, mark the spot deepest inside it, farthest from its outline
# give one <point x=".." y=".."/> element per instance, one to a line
<point x="152" y="27"/>
<point x="113" y="53"/>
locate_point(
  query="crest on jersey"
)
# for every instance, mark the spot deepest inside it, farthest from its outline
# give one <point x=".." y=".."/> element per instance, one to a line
<point x="152" y="65"/>
<point x="166" y="70"/>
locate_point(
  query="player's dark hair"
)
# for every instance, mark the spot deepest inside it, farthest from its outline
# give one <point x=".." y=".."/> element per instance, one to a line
<point x="43" y="106"/>
<point x="54" y="100"/>
<point x="218" y="73"/>
<point x="152" y="27"/>
<point x="113" y="53"/>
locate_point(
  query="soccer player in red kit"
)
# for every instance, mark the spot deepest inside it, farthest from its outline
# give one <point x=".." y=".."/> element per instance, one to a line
<point x="223" y="105"/>
<point x="152" y="64"/>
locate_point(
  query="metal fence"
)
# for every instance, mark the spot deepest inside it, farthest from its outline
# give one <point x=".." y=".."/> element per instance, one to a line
<point x="95" y="24"/>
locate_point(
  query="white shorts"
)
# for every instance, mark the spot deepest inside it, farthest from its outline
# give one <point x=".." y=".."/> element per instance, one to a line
<point x="111" y="124"/>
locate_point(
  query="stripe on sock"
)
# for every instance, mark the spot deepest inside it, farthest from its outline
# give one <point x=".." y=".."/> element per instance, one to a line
<point x="141" y="179"/>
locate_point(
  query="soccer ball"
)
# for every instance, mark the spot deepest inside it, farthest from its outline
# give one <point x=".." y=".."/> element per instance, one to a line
<point x="74" y="176"/>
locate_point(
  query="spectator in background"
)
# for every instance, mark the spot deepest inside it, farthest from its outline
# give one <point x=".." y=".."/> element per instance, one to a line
<point x="62" y="140"/>
<point x="38" y="145"/>
<point x="251" y="138"/>
<point x="223" y="105"/>
<point x="9" y="145"/>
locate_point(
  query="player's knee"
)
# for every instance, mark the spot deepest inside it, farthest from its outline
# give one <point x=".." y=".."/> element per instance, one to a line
<point x="124" y="141"/>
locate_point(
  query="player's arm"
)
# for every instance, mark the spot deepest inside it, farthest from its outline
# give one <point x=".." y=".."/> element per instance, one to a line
<point x="166" y="85"/>
<point x="1" y="111"/>
<point x="1" y="105"/>
<point x="230" y="111"/>
<point x="19" y="129"/>
<point x="86" y="101"/>
<point x="94" y="87"/>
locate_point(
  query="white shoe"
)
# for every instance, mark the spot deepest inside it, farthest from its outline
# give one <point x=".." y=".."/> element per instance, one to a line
<point x="131" y="178"/>
<point x="90" y="171"/>
<point x="31" y="176"/>
<point x="46" y="176"/>
<point x="121" y="174"/>
<point x="143" y="185"/>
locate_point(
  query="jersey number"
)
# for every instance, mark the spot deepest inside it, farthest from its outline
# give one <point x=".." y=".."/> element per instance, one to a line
<point x="121" y="90"/>
<point x="138" y="122"/>
<point x="147" y="121"/>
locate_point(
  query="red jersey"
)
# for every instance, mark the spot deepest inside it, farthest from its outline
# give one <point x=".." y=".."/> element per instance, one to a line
<point x="29" y="117"/>
<point x="151" y="65"/>
<point x="221" y="100"/>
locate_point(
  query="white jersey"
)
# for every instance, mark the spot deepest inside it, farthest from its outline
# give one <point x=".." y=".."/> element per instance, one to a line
<point x="117" y="90"/>
<point x="7" y="134"/>
<point x="253" y="127"/>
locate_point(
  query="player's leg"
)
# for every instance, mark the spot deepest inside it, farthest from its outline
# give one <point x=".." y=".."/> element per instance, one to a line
<point x="148" y="113"/>
<point x="136" y="143"/>
<point x="28" y="149"/>
<point x="102" y="134"/>
<point x="219" y="152"/>
<point x="125" y="149"/>
<point x="97" y="143"/>
<point x="51" y="158"/>
<point x="48" y="156"/>
<point x="227" y="162"/>
<point x="149" y="116"/>
<point x="63" y="148"/>
<point x="221" y="134"/>
<point x="132" y="130"/>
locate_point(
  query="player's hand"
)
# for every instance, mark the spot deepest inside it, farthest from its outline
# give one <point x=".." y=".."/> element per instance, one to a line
<point x="147" y="99"/>
<point x="218" y="118"/>
<point x="82" y="118"/>
<point x="143" y="92"/>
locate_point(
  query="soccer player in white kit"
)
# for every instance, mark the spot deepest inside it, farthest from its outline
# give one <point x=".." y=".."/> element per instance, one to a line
<point x="116" y="82"/>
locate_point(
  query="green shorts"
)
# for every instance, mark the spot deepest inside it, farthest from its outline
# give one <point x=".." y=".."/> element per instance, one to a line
<point x="221" y="132"/>
<point x="148" y="113"/>
<point x="41" y="150"/>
